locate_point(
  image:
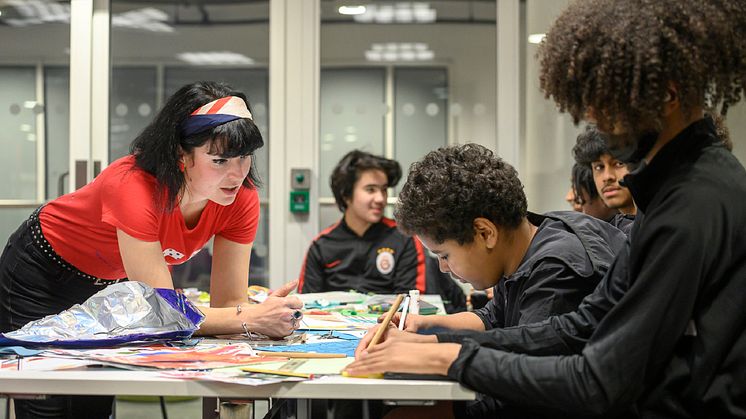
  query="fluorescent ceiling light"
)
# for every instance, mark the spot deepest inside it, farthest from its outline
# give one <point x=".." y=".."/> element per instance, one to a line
<point x="214" y="58"/>
<point x="404" y="12"/>
<point x="351" y="10"/>
<point x="406" y="51"/>
<point x="35" y="12"/>
<point x="148" y="19"/>
<point x="536" y="38"/>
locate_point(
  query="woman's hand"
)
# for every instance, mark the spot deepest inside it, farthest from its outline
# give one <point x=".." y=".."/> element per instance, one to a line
<point x="278" y="316"/>
<point x="400" y="356"/>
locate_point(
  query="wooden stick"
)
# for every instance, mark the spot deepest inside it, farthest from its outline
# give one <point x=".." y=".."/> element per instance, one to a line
<point x="386" y="321"/>
<point x="300" y="354"/>
<point x="277" y="372"/>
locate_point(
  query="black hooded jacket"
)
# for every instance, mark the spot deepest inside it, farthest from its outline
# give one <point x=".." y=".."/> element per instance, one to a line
<point x="666" y="329"/>
<point x="566" y="259"/>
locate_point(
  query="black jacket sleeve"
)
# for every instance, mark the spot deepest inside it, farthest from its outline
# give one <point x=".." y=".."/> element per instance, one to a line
<point x="635" y="340"/>
<point x="493" y="313"/>
<point x="563" y="334"/>
<point x="312" y="274"/>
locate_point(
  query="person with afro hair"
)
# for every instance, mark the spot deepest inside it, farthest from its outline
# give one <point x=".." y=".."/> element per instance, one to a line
<point x="664" y="334"/>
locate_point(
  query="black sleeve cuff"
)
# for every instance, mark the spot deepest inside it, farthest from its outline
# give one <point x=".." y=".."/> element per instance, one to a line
<point x="468" y="350"/>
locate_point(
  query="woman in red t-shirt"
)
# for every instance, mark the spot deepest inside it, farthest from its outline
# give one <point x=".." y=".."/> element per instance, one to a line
<point x="190" y="177"/>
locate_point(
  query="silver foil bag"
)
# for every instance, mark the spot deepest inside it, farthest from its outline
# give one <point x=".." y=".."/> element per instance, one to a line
<point x="119" y="313"/>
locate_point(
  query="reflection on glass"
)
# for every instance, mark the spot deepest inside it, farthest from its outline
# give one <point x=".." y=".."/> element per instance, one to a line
<point x="131" y="103"/>
<point x="18" y="119"/>
<point x="350" y="116"/>
<point x="419" y="124"/>
<point x="57" y="101"/>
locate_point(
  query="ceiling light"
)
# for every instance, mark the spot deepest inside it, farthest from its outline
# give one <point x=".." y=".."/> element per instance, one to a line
<point x="35" y="12"/>
<point x="351" y="10"/>
<point x="403" y="12"/>
<point x="405" y="51"/>
<point x="214" y="58"/>
<point x="148" y="19"/>
<point x="536" y="38"/>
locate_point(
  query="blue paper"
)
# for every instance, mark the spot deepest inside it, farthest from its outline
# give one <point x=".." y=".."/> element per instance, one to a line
<point x="346" y="347"/>
<point x="19" y="350"/>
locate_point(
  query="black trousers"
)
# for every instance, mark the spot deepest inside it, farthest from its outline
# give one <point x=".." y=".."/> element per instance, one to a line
<point x="33" y="286"/>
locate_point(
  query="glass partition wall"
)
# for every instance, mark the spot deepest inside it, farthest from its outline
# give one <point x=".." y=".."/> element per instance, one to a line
<point x="34" y="69"/>
<point x="403" y="78"/>
<point x="396" y="78"/>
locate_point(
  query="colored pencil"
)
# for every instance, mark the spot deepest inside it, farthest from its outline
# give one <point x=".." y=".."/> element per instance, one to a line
<point x="386" y="321"/>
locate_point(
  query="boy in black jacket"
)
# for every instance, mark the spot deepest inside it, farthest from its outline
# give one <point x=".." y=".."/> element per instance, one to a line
<point x="468" y="207"/>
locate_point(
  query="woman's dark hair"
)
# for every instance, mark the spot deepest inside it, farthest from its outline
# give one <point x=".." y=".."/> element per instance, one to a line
<point x="452" y="186"/>
<point x="617" y="58"/>
<point x="582" y="180"/>
<point x="589" y="146"/>
<point x="351" y="167"/>
<point x="158" y="148"/>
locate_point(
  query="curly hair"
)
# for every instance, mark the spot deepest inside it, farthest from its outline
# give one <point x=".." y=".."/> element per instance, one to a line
<point x="157" y="148"/>
<point x="617" y="58"/>
<point x="452" y="186"/>
<point x="350" y="168"/>
<point x="589" y="146"/>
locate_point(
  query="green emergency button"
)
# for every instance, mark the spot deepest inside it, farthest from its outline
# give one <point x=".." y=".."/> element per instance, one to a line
<point x="299" y="201"/>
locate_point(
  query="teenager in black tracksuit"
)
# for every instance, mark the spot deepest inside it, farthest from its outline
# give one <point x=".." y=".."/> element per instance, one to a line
<point x="340" y="260"/>
<point x="363" y="251"/>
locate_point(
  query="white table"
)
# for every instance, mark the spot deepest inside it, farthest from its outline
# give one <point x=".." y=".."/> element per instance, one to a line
<point x="112" y="381"/>
<point x="106" y="381"/>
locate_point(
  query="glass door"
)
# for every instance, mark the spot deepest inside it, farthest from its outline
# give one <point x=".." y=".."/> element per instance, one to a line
<point x="34" y="72"/>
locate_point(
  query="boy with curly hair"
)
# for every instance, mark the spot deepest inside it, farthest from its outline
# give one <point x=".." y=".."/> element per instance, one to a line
<point x="467" y="206"/>
<point x="666" y="335"/>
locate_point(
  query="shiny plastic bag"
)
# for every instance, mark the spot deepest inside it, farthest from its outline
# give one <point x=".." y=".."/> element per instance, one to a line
<point x="123" y="312"/>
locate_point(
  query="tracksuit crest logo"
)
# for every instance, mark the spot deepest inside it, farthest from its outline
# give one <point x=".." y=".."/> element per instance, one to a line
<point x="385" y="260"/>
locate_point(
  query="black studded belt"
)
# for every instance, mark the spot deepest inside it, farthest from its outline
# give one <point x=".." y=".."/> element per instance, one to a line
<point x="42" y="244"/>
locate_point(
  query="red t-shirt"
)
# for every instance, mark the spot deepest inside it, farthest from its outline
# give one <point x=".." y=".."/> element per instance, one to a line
<point x="82" y="226"/>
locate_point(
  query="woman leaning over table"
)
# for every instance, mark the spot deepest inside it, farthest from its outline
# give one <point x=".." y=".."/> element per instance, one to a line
<point x="190" y="177"/>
